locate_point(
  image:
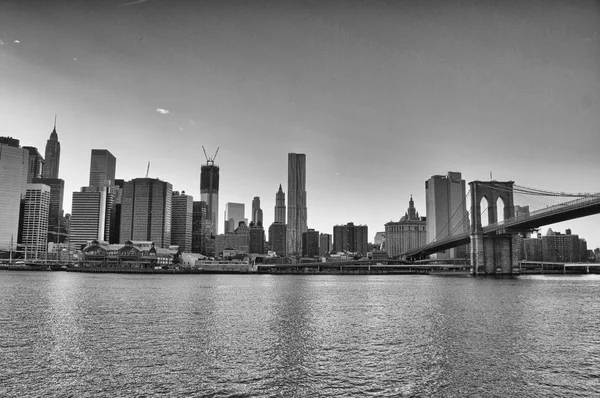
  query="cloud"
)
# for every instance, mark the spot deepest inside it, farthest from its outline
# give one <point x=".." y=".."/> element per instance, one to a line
<point x="192" y="122"/>
<point x="1" y="42"/>
<point x="17" y="41"/>
<point x="133" y="3"/>
<point x="74" y="59"/>
<point x="180" y="128"/>
<point x="163" y="111"/>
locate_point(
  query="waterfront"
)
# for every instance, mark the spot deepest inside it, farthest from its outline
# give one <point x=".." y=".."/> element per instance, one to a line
<point x="291" y="335"/>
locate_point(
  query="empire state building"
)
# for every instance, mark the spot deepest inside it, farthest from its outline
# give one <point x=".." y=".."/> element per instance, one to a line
<point x="50" y="169"/>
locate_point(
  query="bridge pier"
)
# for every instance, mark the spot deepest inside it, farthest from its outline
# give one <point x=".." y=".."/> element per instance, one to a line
<point x="493" y="254"/>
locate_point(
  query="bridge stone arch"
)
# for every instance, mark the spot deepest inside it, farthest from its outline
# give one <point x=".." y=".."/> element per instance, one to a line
<point x="492" y="252"/>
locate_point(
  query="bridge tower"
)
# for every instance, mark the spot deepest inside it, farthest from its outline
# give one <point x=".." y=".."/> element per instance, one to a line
<point x="493" y="252"/>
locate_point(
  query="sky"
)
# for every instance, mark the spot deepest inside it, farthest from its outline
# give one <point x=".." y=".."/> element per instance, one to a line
<point x="379" y="95"/>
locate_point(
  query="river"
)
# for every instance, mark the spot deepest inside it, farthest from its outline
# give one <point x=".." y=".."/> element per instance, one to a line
<point x="74" y="334"/>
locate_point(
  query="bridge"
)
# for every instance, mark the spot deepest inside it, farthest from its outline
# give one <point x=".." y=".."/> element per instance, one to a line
<point x="492" y="238"/>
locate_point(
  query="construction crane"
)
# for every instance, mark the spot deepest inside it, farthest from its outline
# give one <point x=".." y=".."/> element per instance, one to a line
<point x="148" y="170"/>
<point x="210" y="161"/>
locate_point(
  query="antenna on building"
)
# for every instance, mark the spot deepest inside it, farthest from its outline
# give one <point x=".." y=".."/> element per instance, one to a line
<point x="210" y="161"/>
<point x="148" y="170"/>
<point x="54" y="122"/>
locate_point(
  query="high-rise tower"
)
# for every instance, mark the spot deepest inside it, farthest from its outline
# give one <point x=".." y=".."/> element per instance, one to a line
<point x="280" y="206"/>
<point x="14" y="163"/>
<point x="146" y="211"/>
<point x="52" y="160"/>
<point x="296" y="214"/>
<point x="446" y="211"/>
<point x="257" y="213"/>
<point x="102" y="168"/>
<point x="209" y="189"/>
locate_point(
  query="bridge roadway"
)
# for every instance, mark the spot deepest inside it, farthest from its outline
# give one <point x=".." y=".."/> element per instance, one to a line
<point x="570" y="210"/>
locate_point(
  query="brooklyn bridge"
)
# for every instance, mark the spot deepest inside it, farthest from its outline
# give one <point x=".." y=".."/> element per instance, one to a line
<point x="491" y="225"/>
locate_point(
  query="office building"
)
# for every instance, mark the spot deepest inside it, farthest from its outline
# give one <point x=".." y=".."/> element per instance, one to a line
<point x="257" y="213"/>
<point x="52" y="155"/>
<point x="14" y="167"/>
<point x="325" y="246"/>
<point x="234" y="214"/>
<point x="181" y="221"/>
<point x="236" y="240"/>
<point x="146" y="211"/>
<point x="92" y="212"/>
<point x="280" y="206"/>
<point x="406" y="234"/>
<point x="350" y="238"/>
<point x="35" y="220"/>
<point x="209" y="192"/>
<point x="257" y="239"/>
<point x="277" y="238"/>
<point x="202" y="241"/>
<point x="115" y="223"/>
<point x="36" y="164"/>
<point x="57" y="230"/>
<point x="310" y="243"/>
<point x="447" y="214"/>
<point x="102" y="168"/>
<point x="296" y="212"/>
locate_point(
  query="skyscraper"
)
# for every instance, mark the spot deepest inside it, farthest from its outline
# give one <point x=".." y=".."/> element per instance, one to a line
<point x="201" y="229"/>
<point x="277" y="236"/>
<point x="324" y="244"/>
<point x="406" y="234"/>
<point x="52" y="155"/>
<point x="257" y="239"/>
<point x="257" y="213"/>
<point x="446" y="208"/>
<point x="102" y="168"/>
<point x="350" y="238"/>
<point x="296" y="213"/>
<point x="35" y="219"/>
<point x="36" y="164"/>
<point x="209" y="191"/>
<point x="181" y="221"/>
<point x="280" y="206"/>
<point x="146" y="211"/>
<point x="57" y="231"/>
<point x="91" y="215"/>
<point x="310" y="243"/>
<point x="234" y="214"/>
<point x="14" y="163"/>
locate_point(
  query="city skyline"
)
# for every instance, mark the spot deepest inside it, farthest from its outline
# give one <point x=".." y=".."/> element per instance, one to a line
<point x="377" y="111"/>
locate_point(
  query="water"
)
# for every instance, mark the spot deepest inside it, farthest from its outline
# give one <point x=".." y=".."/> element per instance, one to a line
<point x="72" y="334"/>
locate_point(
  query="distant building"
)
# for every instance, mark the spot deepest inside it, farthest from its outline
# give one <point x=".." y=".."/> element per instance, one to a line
<point x="35" y="220"/>
<point x="36" y="164"/>
<point x="277" y="238"/>
<point x="279" y="206"/>
<point x="52" y="155"/>
<point x="379" y="239"/>
<point x="201" y="229"/>
<point x="146" y="211"/>
<point x="209" y="192"/>
<point x="181" y="221"/>
<point x="310" y="243"/>
<point x="557" y="247"/>
<point x="237" y="240"/>
<point x="257" y="213"/>
<point x="14" y="167"/>
<point x="350" y="238"/>
<point x="324" y="244"/>
<point x="91" y="215"/>
<point x="297" y="213"/>
<point x="57" y="230"/>
<point x="257" y="239"/>
<point x="446" y="211"/>
<point x="102" y="168"/>
<point x="406" y="234"/>
<point x="234" y="214"/>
